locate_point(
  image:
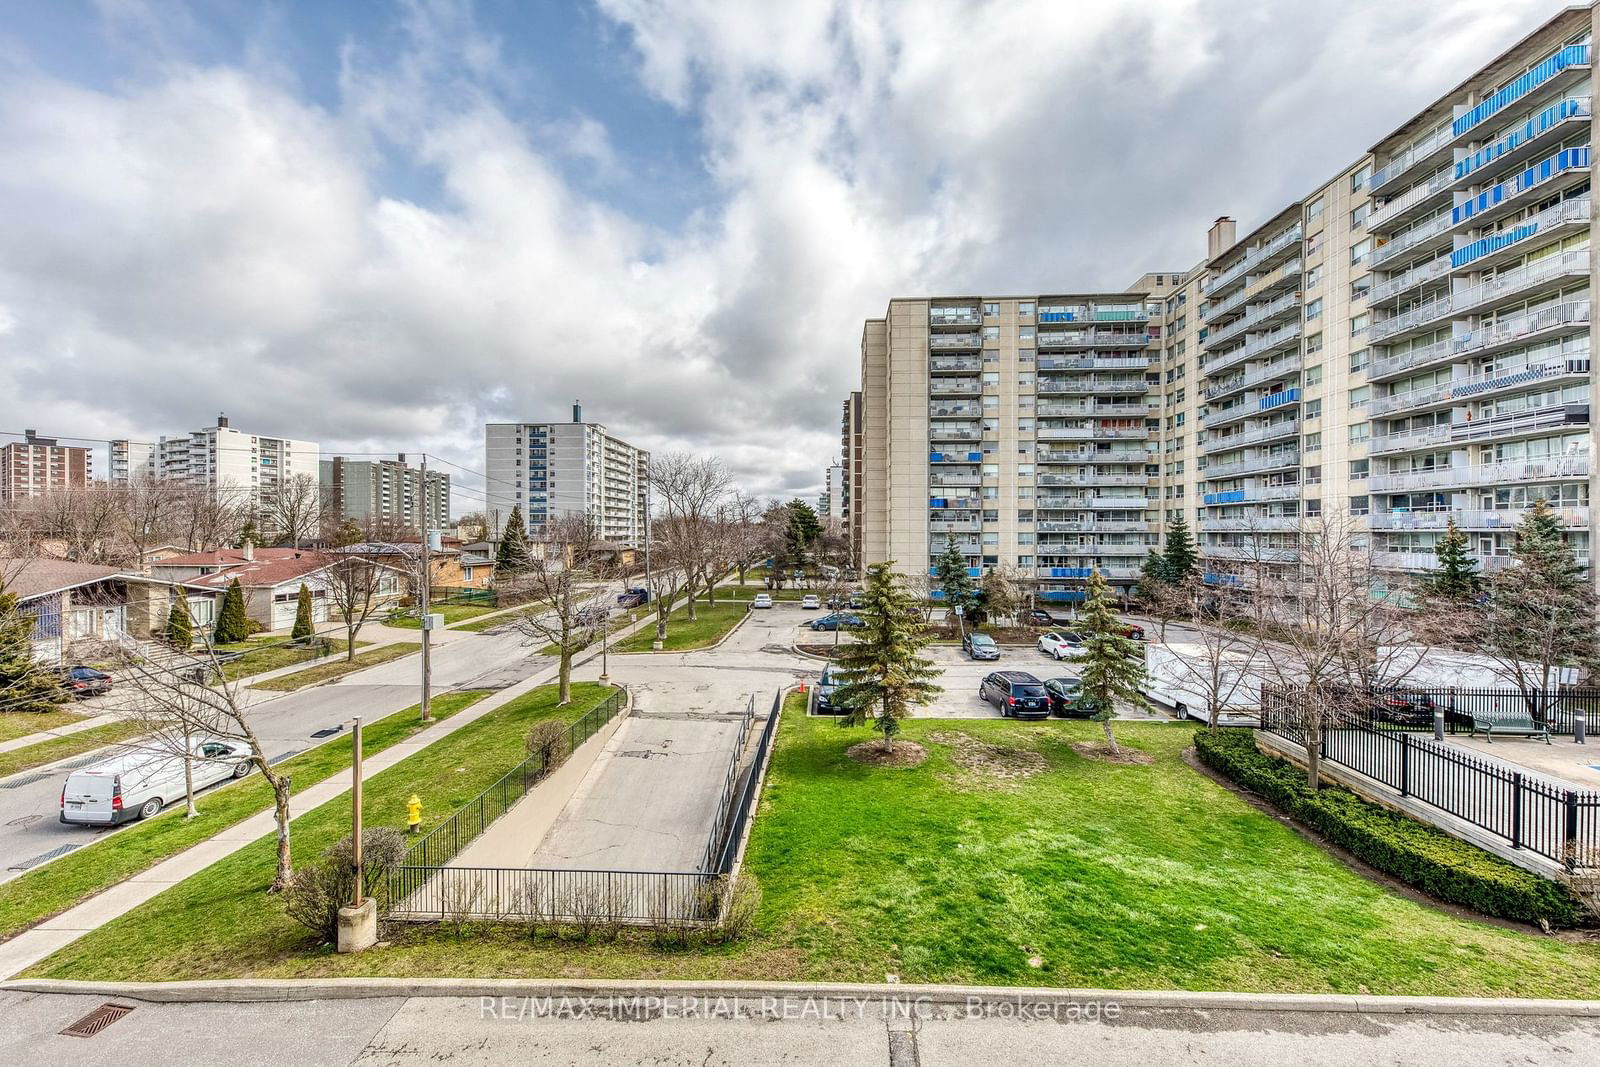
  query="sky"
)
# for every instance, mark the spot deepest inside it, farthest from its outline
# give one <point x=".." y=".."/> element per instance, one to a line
<point x="379" y="224"/>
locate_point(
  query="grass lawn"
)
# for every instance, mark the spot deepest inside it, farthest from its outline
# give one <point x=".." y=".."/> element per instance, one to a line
<point x="49" y="890"/>
<point x="58" y="748"/>
<point x="327" y="672"/>
<point x="1111" y="876"/>
<point x="262" y="654"/>
<point x="15" y="724"/>
<point x="712" y="625"/>
<point x="221" y="921"/>
<point x="451" y="612"/>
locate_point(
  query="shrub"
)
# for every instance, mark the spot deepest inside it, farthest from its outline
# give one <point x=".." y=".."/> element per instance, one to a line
<point x="1420" y="855"/>
<point x="549" y="739"/>
<point x="321" y="888"/>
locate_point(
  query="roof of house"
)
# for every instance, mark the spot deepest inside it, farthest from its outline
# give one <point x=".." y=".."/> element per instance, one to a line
<point x="391" y="548"/>
<point x="230" y="556"/>
<point x="39" y="577"/>
<point x="262" y="572"/>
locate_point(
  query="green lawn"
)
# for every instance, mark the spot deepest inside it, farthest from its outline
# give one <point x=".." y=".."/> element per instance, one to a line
<point x="712" y="625"/>
<point x="58" y="748"/>
<point x="262" y="654"/>
<point x="452" y="613"/>
<point x="478" y="626"/>
<point x="327" y="672"/>
<point x="221" y="921"/>
<point x="49" y="890"/>
<point x="15" y="724"/>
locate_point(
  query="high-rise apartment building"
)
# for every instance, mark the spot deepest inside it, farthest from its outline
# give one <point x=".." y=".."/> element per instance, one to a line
<point x="831" y="503"/>
<point x="386" y="493"/>
<point x="37" y="465"/>
<point x="850" y="449"/>
<point x="220" y="457"/>
<point x="556" y="469"/>
<point x="1407" y="343"/>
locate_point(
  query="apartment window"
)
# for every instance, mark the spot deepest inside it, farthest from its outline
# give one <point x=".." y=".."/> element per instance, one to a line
<point x="1315" y="208"/>
<point x="991" y="311"/>
<point x="1172" y="306"/>
<point x="991" y="333"/>
<point x="1025" y="537"/>
<point x="1360" y="395"/>
<point x="991" y="539"/>
<point x="1025" y="381"/>
<point x="991" y="377"/>
<point x="1024" y="516"/>
<point x="1025" y="309"/>
<point x="1358" y="469"/>
<point x="1359" y="323"/>
<point x="1024" y="469"/>
<point x="1358" y="180"/>
<point x="1024" y="425"/>
<point x="1358" y="217"/>
<point x="1314" y="375"/>
<point x="1313" y="475"/>
<point x="1312" y="409"/>
<point x="1311" y="442"/>
<point x="1313" y="507"/>
<point x="1359" y="432"/>
<point x="1314" y="344"/>
<point x="1024" y="561"/>
<point x="1312" y="277"/>
<point x="1025" y="492"/>
<point x="991" y="470"/>
<point x="991" y="515"/>
<point x="1024" y="355"/>
<point x="1313" y="309"/>
<point x="1360" y="359"/>
<point x="1360" y="250"/>
<point x="1314" y="243"/>
<point x="1025" y="333"/>
<point x="1183" y="322"/>
<point x="1359" y="287"/>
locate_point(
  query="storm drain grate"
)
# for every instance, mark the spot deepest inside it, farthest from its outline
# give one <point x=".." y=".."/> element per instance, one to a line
<point x="42" y="857"/>
<point x="75" y="764"/>
<point x="27" y="779"/>
<point x="280" y="757"/>
<point x="97" y="1020"/>
<point x="329" y="732"/>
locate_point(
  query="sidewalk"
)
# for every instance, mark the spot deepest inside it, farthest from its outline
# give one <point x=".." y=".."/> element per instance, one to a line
<point x="31" y="946"/>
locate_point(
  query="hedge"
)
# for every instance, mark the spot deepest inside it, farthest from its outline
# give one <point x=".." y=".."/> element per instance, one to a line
<point x="1420" y="855"/>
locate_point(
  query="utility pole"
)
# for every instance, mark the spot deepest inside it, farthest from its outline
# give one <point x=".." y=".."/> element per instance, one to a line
<point x="355" y="809"/>
<point x="422" y="600"/>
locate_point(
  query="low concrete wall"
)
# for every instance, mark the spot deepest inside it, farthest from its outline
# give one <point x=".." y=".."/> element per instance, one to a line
<point x="514" y="837"/>
<point x="1380" y="794"/>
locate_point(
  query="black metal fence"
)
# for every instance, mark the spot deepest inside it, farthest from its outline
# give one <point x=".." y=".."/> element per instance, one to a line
<point x="444" y="842"/>
<point x="462" y="595"/>
<point x="571" y="897"/>
<point x="729" y="783"/>
<point x="1528" y="811"/>
<point x="733" y="831"/>
<point x="1557" y="710"/>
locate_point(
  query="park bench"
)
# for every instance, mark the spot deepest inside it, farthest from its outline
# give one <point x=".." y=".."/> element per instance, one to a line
<point x="1512" y="725"/>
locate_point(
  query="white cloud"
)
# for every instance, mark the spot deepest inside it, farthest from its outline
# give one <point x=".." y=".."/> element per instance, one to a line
<point x="204" y="238"/>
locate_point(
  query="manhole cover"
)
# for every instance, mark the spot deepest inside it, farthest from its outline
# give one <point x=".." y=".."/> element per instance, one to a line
<point x="97" y="1020"/>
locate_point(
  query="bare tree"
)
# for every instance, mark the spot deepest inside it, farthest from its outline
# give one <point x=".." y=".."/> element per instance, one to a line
<point x="294" y="510"/>
<point x="79" y="524"/>
<point x="148" y="508"/>
<point x="570" y="610"/>
<point x="206" y="518"/>
<point x="691" y="490"/>
<point x="357" y="586"/>
<point x="1220" y="660"/>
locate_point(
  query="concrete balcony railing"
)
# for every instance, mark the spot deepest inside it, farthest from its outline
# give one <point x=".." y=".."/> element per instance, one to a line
<point x="1092" y="339"/>
<point x="955" y="340"/>
<point x="1274" y="432"/>
<point x="1273" y="461"/>
<point x="1419" y="234"/>
<point x="1478" y="385"/>
<point x="1573" y="518"/>
<point x="1253" y="524"/>
<point x="1427" y="437"/>
<point x="1561" y="468"/>
<point x="1238" y="269"/>
<point x="1251" y="318"/>
<point x="1280" y="368"/>
<point x="1400" y="283"/>
<point x="1408" y="159"/>
<point x="1282" y="337"/>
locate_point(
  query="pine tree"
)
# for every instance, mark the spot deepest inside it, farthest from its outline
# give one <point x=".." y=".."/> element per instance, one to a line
<point x="1180" y="559"/>
<point x="348" y="533"/>
<point x="1152" y="576"/>
<point x="1111" y="668"/>
<point x="803" y="518"/>
<point x="1542" y="550"/>
<point x="250" y="533"/>
<point x="180" y="623"/>
<point x="512" y="554"/>
<point x="233" y="625"/>
<point x="884" y="672"/>
<point x="25" y="684"/>
<point x="304" y="628"/>
<point x="1456" y="577"/>
<point x="950" y="570"/>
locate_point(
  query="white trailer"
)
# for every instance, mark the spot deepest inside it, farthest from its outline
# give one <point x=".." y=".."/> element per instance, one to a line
<point x="1419" y="667"/>
<point x="1184" y="678"/>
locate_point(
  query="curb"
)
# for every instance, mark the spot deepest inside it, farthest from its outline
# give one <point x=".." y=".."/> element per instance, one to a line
<point x="252" y="990"/>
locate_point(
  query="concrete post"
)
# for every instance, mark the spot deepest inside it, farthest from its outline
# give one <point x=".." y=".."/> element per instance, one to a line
<point x="358" y="927"/>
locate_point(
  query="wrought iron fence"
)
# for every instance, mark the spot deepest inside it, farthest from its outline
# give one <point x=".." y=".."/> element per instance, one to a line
<point x="1528" y="811"/>
<point x="729" y="782"/>
<point x="1557" y="710"/>
<point x="576" y="897"/>
<point x="739" y="816"/>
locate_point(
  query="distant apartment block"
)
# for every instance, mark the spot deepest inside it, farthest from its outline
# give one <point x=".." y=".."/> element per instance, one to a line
<point x="38" y="465"/>
<point x="1409" y="343"/>
<point x="386" y="493"/>
<point x="557" y="469"/>
<point x="222" y="458"/>
<point x="131" y="461"/>
<point x="850" y="451"/>
<point x="833" y="494"/>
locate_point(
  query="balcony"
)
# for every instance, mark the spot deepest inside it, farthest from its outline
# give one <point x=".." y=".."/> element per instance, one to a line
<point x="1091" y="433"/>
<point x="1282" y="368"/>
<point x="1521" y="143"/>
<point x="1254" y="495"/>
<point x="954" y="316"/>
<point x="1094" y="479"/>
<point x="1573" y="57"/>
<point x="1566" y="168"/>
<point x="1252" y="524"/>
<point x="1104" y="411"/>
<point x="1418" y="319"/>
<point x="954" y="387"/>
<point x="1259" y="315"/>
<point x="1092" y="339"/>
<point x="955" y="340"/>
<point x="1410" y="440"/>
<point x="1573" y="518"/>
<point x="954" y="409"/>
<point x="1435" y="147"/>
<point x="1509" y="245"/>
<point x="1272" y="461"/>
<point x="1521" y="423"/>
<point x="954" y="525"/>
<point x="1275" y="432"/>
<point x="1570" y="317"/>
<point x="1547" y="273"/>
<point x="1122" y="503"/>
<point x="1093" y="362"/>
<point x="955" y="479"/>
<point x="954" y="364"/>
<point x="955" y="432"/>
<point x="1420" y="237"/>
<point x="1281" y="339"/>
<point x="1048" y="386"/>
<point x="1389" y="288"/>
<point x="1418" y="200"/>
<point x="1561" y="468"/>
<point x="955" y="457"/>
<point x="1262" y="254"/>
<point x="1251" y="553"/>
<point x="1460" y="389"/>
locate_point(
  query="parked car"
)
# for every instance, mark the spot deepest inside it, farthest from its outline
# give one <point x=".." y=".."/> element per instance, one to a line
<point x="1018" y="695"/>
<point x="1066" y="698"/>
<point x="838" y="620"/>
<point x="1036" y="617"/>
<point x="80" y="681"/>
<point x="594" y="615"/>
<point x="810" y="602"/>
<point x="761" y="600"/>
<point x="139" y="785"/>
<point x="857" y="601"/>
<point x="1062" y="644"/>
<point x="980" y="646"/>
<point x="827" y="685"/>
<point x="636" y="597"/>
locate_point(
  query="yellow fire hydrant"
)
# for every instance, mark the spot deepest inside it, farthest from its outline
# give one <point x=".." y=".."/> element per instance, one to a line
<point x="414" y="813"/>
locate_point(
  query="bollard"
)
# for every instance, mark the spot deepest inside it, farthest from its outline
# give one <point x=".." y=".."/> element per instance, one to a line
<point x="1580" y="727"/>
<point x="414" y="813"/>
<point x="1438" y="724"/>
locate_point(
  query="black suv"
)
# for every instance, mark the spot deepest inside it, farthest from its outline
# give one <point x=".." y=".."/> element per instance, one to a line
<point x="1018" y="695"/>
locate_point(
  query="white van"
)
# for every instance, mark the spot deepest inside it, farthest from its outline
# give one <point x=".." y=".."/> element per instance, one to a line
<point x="140" y="784"/>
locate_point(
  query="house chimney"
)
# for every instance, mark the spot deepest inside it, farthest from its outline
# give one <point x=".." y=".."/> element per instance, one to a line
<point x="249" y="550"/>
<point x="222" y="420"/>
<point x="1223" y="235"/>
<point x="577" y="411"/>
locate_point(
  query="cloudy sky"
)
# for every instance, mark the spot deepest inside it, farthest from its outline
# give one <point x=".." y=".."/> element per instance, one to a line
<point x="378" y="224"/>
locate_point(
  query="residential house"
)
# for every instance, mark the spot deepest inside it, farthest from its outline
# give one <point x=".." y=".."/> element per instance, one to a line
<point x="78" y="608"/>
<point x="270" y="578"/>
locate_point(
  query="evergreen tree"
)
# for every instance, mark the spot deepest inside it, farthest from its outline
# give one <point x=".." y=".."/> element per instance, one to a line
<point x="950" y="570"/>
<point x="1541" y="550"/>
<point x="1539" y="615"/>
<point x="1152" y="576"/>
<point x="883" y="672"/>
<point x="512" y="554"/>
<point x="1456" y="577"/>
<point x="233" y="625"/>
<point x="348" y="533"/>
<point x="1111" y="668"/>
<point x="803" y="518"/>
<point x="25" y="684"/>
<point x="250" y="533"/>
<point x="1180" y="559"/>
<point x="180" y="624"/>
<point x="304" y="628"/>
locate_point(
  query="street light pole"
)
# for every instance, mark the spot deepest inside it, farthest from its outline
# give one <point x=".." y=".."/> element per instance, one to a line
<point x="355" y="810"/>
<point x="422" y="601"/>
